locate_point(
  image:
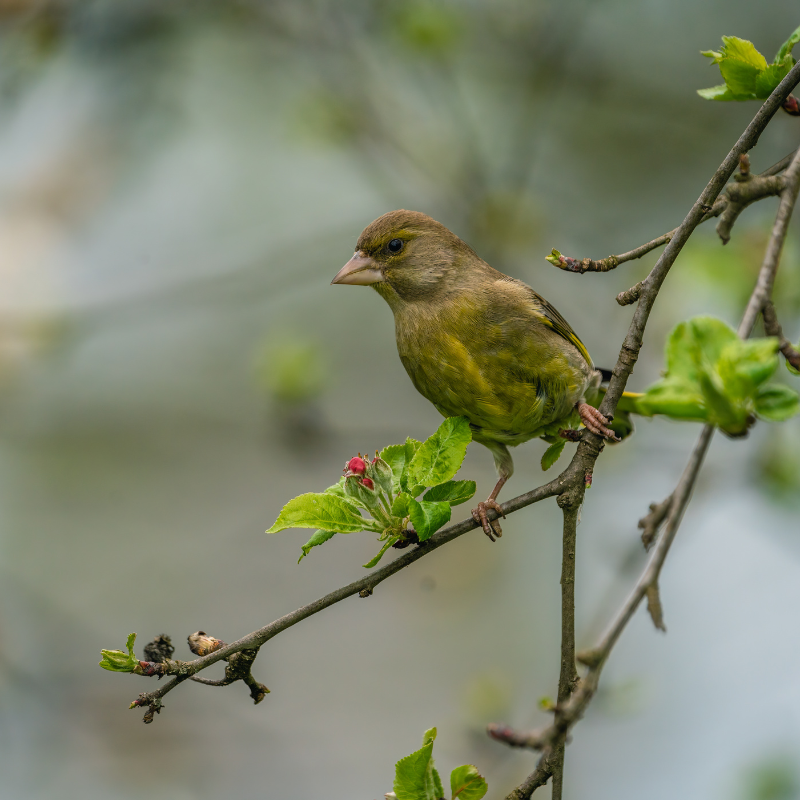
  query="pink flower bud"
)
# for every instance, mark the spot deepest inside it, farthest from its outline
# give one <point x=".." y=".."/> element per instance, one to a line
<point x="355" y="466"/>
<point x="368" y="483"/>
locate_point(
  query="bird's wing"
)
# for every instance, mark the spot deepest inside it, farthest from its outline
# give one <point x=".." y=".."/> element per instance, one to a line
<point x="554" y="320"/>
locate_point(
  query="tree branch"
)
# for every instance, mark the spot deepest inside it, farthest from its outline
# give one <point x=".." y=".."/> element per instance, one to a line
<point x="773" y="328"/>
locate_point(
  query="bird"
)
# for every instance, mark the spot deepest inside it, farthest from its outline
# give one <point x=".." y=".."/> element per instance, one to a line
<point x="477" y="343"/>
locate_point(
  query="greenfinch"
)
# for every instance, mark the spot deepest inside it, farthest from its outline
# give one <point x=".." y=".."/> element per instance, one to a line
<point x="475" y="342"/>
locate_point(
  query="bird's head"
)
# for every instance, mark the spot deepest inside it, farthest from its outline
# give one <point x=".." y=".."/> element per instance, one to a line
<point x="408" y="257"/>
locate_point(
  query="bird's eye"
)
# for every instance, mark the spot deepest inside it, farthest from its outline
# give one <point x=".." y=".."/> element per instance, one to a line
<point x="396" y="245"/>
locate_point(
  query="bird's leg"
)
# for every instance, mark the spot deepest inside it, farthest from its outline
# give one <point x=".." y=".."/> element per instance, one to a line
<point x="596" y="422"/>
<point x="505" y="469"/>
<point x="490" y="527"/>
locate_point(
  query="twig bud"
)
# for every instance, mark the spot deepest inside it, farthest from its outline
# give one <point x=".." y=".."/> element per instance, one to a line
<point x="201" y="644"/>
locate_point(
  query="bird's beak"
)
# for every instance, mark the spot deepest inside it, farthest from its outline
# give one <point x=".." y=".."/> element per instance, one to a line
<point x="360" y="270"/>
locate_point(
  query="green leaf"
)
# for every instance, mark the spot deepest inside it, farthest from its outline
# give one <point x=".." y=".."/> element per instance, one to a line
<point x="743" y="366"/>
<point x="787" y="46"/>
<point x="716" y="55"/>
<point x="740" y="78"/>
<point x="777" y="402"/>
<point x="397" y="456"/>
<point x="338" y="489"/>
<point x="400" y="505"/>
<point x="466" y="783"/>
<point x="453" y="492"/>
<point x="118" y="660"/>
<point x="320" y="537"/>
<point x="438" y="789"/>
<point x="674" y="397"/>
<point x="389" y="542"/>
<point x="720" y="92"/>
<point x="414" y="774"/>
<point x="768" y="79"/>
<point x="427" y="517"/>
<point x="553" y="453"/>
<point x="440" y="456"/>
<point x="328" y="512"/>
<point x="742" y="50"/>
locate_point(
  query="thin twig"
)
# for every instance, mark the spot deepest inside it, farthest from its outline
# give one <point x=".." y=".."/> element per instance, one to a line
<point x="773" y="328"/>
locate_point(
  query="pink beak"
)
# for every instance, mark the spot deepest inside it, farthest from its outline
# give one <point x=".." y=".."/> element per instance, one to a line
<point x="360" y="270"/>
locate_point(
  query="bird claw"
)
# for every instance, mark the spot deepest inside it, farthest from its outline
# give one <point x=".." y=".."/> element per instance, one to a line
<point x="596" y="422"/>
<point x="490" y="527"/>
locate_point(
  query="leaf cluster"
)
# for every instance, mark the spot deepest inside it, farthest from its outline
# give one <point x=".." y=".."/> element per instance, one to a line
<point x="399" y="475"/>
<point x="715" y="377"/>
<point x="745" y="71"/>
<point x="416" y="777"/>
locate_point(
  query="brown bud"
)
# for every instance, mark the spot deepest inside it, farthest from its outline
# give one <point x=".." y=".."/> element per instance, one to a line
<point x="201" y="644"/>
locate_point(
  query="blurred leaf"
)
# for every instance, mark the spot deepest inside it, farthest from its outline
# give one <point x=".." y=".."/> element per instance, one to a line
<point x="773" y="779"/>
<point x="777" y="402"/>
<point x="441" y="455"/>
<point x="320" y="537"/>
<point x="329" y="512"/>
<point x="433" y="28"/>
<point x="713" y="376"/>
<point x="427" y="517"/>
<point x="452" y="492"/>
<point x="466" y="783"/>
<point x="553" y="453"/>
<point x="292" y="372"/>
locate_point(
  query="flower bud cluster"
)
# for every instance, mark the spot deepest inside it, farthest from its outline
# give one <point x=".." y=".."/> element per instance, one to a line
<point x="370" y="482"/>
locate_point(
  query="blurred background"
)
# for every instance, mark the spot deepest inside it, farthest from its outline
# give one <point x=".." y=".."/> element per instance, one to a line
<point x="179" y="182"/>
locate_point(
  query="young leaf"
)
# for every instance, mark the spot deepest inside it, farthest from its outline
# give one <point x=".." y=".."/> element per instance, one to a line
<point x="441" y="455"/>
<point x="397" y="456"/>
<point x="553" y="453"/>
<point x="777" y="402"/>
<point x="673" y="397"/>
<point x="401" y="504"/>
<point x="389" y="542"/>
<point x="319" y="537"/>
<point x="466" y="783"/>
<point x="453" y="492"/>
<point x="743" y="366"/>
<point x="329" y="512"/>
<point x="427" y="517"/>
<point x="119" y="661"/>
<point x="768" y="79"/>
<point x="338" y="489"/>
<point x="414" y="774"/>
<point x="720" y="92"/>
<point x="787" y="46"/>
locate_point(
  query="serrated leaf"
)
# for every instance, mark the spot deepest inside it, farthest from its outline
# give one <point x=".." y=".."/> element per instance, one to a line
<point x="440" y="456"/>
<point x="427" y="517"/>
<point x="721" y="92"/>
<point x="400" y="505"/>
<point x="328" y="512"/>
<point x="438" y="789"/>
<point x="740" y="78"/>
<point x="768" y="79"/>
<point x="787" y="46"/>
<point x="389" y="542"/>
<point x="397" y="457"/>
<point x="777" y="402"/>
<point x="553" y="453"/>
<point x="414" y="774"/>
<point x="453" y="492"/>
<point x="466" y="783"/>
<point x="429" y="736"/>
<point x="319" y="537"/>
<point x="742" y="50"/>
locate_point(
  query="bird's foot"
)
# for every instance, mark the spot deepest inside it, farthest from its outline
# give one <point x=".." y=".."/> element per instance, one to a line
<point x="490" y="527"/>
<point x="596" y="422"/>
